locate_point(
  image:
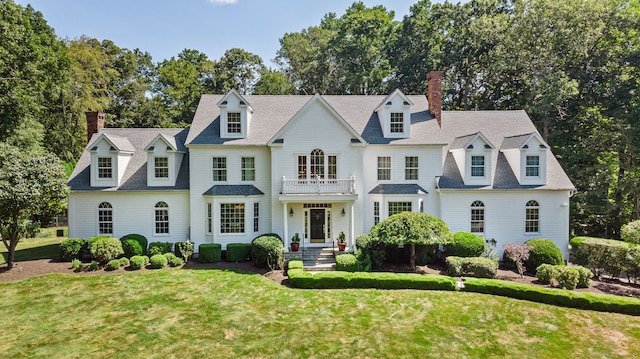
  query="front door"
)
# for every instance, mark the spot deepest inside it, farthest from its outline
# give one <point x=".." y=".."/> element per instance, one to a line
<point x="317" y="225"/>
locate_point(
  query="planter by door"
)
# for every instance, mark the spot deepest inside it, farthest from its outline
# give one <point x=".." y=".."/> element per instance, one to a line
<point x="342" y="246"/>
<point x="295" y="247"/>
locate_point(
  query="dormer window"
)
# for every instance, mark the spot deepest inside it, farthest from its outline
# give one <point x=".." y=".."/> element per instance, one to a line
<point x="394" y="114"/>
<point x="532" y="168"/>
<point x="234" y="124"/>
<point x="104" y="168"/>
<point x="235" y="116"/>
<point x="397" y="122"/>
<point x="477" y="166"/>
<point x="161" y="165"/>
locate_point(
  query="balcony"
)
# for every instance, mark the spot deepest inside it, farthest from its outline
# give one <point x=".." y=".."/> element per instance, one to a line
<point x="318" y="186"/>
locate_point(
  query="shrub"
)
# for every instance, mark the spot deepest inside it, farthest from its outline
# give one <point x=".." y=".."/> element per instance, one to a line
<point x="172" y="260"/>
<point x="364" y="261"/>
<point x="94" y="265"/>
<point x="372" y="247"/>
<point x="546" y="273"/>
<point x="465" y="244"/>
<point x="157" y="261"/>
<point x="379" y="280"/>
<point x="137" y="262"/>
<point x="106" y="249"/>
<point x="632" y="263"/>
<point x="295" y="264"/>
<point x="564" y="277"/>
<point x="70" y="249"/>
<point x="268" y="252"/>
<point x="346" y="262"/>
<point x="124" y="261"/>
<point x="630" y="232"/>
<point x="112" y="265"/>
<point x="472" y="266"/>
<point x="142" y="240"/>
<point x="238" y="252"/>
<point x="517" y="253"/>
<point x="77" y="265"/>
<point x="159" y="248"/>
<point x="131" y="247"/>
<point x="209" y="253"/>
<point x="184" y="250"/>
<point x="584" y="278"/>
<point x="426" y="254"/>
<point x="542" y="251"/>
<point x="567" y="277"/>
<point x="600" y="255"/>
<point x="85" y="252"/>
<point x="269" y="235"/>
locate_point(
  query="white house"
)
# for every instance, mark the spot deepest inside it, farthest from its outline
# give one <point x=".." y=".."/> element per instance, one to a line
<point x="319" y="165"/>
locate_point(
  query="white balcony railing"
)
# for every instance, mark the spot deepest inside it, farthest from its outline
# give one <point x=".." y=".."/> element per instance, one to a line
<point x="318" y="186"/>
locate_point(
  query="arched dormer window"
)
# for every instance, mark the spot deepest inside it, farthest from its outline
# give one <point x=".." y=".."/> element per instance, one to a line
<point x="532" y="217"/>
<point x="477" y="217"/>
<point x="161" y="218"/>
<point x="317" y="164"/>
<point x="105" y="218"/>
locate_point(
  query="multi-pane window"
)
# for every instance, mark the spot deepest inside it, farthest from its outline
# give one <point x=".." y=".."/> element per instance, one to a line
<point x="302" y="167"/>
<point x="532" y="217"/>
<point x="411" y="168"/>
<point x="332" y="168"/>
<point x="397" y="122"/>
<point x="477" y="166"/>
<point x="105" y="218"/>
<point x="533" y="166"/>
<point x="376" y="213"/>
<point x="399" y="207"/>
<point x="233" y="122"/>
<point x="231" y="217"/>
<point x="477" y="217"/>
<point x="256" y="217"/>
<point x="162" y="218"/>
<point x="209" y="217"/>
<point x="317" y="163"/>
<point x="384" y="168"/>
<point x="161" y="165"/>
<point x="248" y="168"/>
<point x="104" y="167"/>
<point x="219" y="168"/>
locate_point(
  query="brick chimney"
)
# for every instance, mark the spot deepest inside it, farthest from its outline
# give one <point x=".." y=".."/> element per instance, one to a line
<point x="434" y="95"/>
<point x="95" y="122"/>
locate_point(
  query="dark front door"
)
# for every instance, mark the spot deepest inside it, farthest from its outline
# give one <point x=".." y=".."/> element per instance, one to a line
<point x="317" y="226"/>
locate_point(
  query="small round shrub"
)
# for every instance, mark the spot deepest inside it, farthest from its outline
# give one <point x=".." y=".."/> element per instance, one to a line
<point x="131" y="247"/>
<point x="630" y="232"/>
<point x="465" y="244"/>
<point x="268" y="252"/>
<point x="137" y="262"/>
<point x="268" y="235"/>
<point x="373" y="247"/>
<point x="70" y="249"/>
<point x="584" y="276"/>
<point x="142" y="240"/>
<point x="146" y="259"/>
<point x="346" y="262"/>
<point x="106" y="249"/>
<point x="124" y="261"/>
<point x="542" y="251"/>
<point x="173" y="260"/>
<point x="93" y="266"/>
<point x="157" y="261"/>
<point x="546" y="273"/>
<point x="567" y="277"/>
<point x="77" y="265"/>
<point x="159" y="248"/>
<point x="112" y="265"/>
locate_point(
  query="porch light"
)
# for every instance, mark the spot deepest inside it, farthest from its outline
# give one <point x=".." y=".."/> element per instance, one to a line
<point x="343" y="212"/>
<point x="290" y="212"/>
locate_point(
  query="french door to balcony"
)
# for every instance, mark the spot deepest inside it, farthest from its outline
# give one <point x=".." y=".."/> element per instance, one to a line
<point x="317" y="225"/>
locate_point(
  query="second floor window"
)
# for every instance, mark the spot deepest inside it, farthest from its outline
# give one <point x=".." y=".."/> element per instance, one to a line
<point x="233" y="122"/>
<point x="411" y="168"/>
<point x="219" y="169"/>
<point x="533" y="166"/>
<point x="104" y="167"/>
<point x="477" y="166"/>
<point x="248" y="168"/>
<point x="384" y="168"/>
<point x="161" y="167"/>
<point x="397" y="122"/>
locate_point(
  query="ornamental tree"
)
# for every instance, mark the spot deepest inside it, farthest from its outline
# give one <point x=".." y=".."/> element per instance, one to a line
<point x="412" y="228"/>
<point x="30" y="183"/>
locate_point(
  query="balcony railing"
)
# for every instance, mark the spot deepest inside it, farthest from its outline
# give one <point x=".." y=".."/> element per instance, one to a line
<point x="318" y="186"/>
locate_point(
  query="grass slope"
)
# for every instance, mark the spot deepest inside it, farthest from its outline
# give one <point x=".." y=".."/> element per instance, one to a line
<point x="215" y="313"/>
<point x="45" y="246"/>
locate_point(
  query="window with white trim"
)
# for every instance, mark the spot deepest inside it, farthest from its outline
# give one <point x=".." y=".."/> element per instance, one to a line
<point x="219" y="169"/>
<point x="376" y="213"/>
<point x="231" y="217"/>
<point x="384" y="168"/>
<point x="234" y="124"/>
<point x="532" y="217"/>
<point x="411" y="168"/>
<point x="332" y="168"/>
<point x="302" y="167"/>
<point x="317" y="163"/>
<point x="397" y="122"/>
<point x="105" y="170"/>
<point x="161" y="218"/>
<point x="248" y="165"/>
<point x="105" y="218"/>
<point x="209" y="217"/>
<point x="477" y="217"/>
<point x="477" y="166"/>
<point x="161" y="167"/>
<point x="399" y="207"/>
<point x="532" y="168"/>
<point x="256" y="217"/>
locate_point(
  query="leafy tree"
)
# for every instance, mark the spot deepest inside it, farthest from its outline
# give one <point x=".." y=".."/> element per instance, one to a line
<point x="273" y="82"/>
<point x="237" y="69"/>
<point x="412" y="228"/>
<point x="30" y="183"/>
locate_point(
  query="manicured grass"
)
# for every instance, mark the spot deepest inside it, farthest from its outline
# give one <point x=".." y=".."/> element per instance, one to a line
<point x="44" y="246"/>
<point x="215" y="313"/>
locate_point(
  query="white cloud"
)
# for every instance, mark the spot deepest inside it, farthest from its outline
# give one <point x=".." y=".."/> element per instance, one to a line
<point x="222" y="2"/>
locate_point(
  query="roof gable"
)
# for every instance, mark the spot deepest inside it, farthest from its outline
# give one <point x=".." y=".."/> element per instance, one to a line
<point x="466" y="142"/>
<point x="243" y="102"/>
<point x="117" y="143"/>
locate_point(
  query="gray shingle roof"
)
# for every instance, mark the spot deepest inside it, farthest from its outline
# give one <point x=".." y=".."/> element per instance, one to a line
<point x="233" y="190"/>
<point x="135" y="176"/>
<point x="403" y="188"/>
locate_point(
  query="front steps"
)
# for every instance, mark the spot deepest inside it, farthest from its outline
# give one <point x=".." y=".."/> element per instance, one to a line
<point x="316" y="259"/>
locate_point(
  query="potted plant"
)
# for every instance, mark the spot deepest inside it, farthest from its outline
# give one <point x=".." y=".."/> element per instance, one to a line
<point x="295" y="243"/>
<point x="342" y="243"/>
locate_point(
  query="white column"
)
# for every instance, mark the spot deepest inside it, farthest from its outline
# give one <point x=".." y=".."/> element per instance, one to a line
<point x="286" y="226"/>
<point x="352" y="228"/>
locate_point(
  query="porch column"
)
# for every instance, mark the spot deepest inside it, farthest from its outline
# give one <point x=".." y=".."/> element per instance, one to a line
<point x="352" y="226"/>
<point x="286" y="226"/>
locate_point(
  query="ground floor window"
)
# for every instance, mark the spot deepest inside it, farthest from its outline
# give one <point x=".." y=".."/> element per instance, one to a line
<point x="209" y="217"/>
<point x="477" y="217"/>
<point x="231" y="217"/>
<point x="105" y="218"/>
<point x="399" y="207"/>
<point x="256" y="217"/>
<point x="532" y="217"/>
<point x="162" y="218"/>
<point x="376" y="213"/>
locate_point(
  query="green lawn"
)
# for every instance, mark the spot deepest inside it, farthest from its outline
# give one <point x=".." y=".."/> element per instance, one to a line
<point x="44" y="246"/>
<point x="215" y="313"/>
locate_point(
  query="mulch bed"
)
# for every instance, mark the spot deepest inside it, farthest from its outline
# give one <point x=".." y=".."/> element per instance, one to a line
<point x="27" y="269"/>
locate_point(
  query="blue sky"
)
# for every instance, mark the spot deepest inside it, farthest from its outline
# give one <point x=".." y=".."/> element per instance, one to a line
<point x="164" y="28"/>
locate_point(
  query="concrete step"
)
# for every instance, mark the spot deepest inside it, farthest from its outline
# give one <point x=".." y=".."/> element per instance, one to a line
<point x="318" y="267"/>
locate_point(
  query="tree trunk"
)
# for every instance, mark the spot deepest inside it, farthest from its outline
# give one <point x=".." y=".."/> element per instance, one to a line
<point x="412" y="258"/>
<point x="11" y="251"/>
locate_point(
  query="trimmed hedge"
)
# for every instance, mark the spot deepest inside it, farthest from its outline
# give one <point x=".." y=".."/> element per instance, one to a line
<point x="157" y="261"/>
<point x="70" y="249"/>
<point x="346" y="262"/>
<point x="112" y="265"/>
<point x="137" y="262"/>
<point x="159" y="248"/>
<point x="542" y="251"/>
<point x="105" y="249"/>
<point x="465" y="244"/>
<point x="131" y="247"/>
<point x="565" y="276"/>
<point x="268" y="252"/>
<point x="559" y="297"/>
<point x="472" y="266"/>
<point x="238" y="252"/>
<point x="173" y="260"/>
<point x="142" y="240"/>
<point x="209" y="253"/>
<point x="600" y="255"/>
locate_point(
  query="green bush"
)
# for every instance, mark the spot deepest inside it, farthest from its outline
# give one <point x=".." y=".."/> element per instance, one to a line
<point x="93" y="266"/>
<point x="184" y="250"/>
<point x="364" y="261"/>
<point x="295" y="264"/>
<point x="346" y="262"/>
<point x="268" y="235"/>
<point x="159" y="248"/>
<point x="373" y="247"/>
<point x="238" y="252"/>
<point x="542" y="251"/>
<point x="70" y="249"/>
<point x="157" y="261"/>
<point x="146" y="259"/>
<point x="630" y="232"/>
<point x="600" y="255"/>
<point x="124" y="261"/>
<point x="268" y="252"/>
<point x="465" y="244"/>
<point x="106" y="249"/>
<point x="209" y="253"/>
<point x="112" y="265"/>
<point x="567" y="277"/>
<point x="131" y="247"/>
<point x="173" y="260"/>
<point x="137" y="262"/>
<point x="632" y="263"/>
<point x="142" y="240"/>
<point x="472" y="266"/>
<point x="546" y="273"/>
<point x="77" y="265"/>
<point x="585" y="275"/>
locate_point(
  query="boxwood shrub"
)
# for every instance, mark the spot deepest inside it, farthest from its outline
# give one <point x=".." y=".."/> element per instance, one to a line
<point x="70" y="249"/>
<point x="465" y="244"/>
<point x="566" y="277"/>
<point x="542" y="251"/>
<point x="267" y="252"/>
<point x="124" y="261"/>
<point x="238" y="252"/>
<point x="131" y="247"/>
<point x="137" y="262"/>
<point x="142" y="240"/>
<point x="173" y="260"/>
<point x="105" y="249"/>
<point x="472" y="266"/>
<point x="157" y="261"/>
<point x="159" y="248"/>
<point x="346" y="262"/>
<point x="112" y="265"/>
<point x="209" y="253"/>
<point x="93" y="266"/>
